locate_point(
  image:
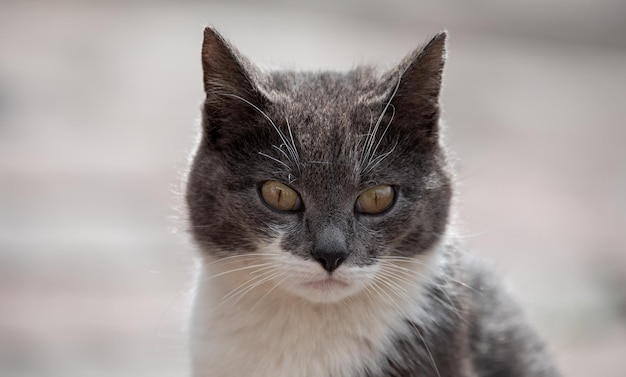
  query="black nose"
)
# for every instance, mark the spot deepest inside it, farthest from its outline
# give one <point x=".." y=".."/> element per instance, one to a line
<point x="329" y="259"/>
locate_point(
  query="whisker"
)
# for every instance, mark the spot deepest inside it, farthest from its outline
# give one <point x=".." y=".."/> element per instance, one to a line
<point x="387" y="278"/>
<point x="238" y="269"/>
<point x="368" y="154"/>
<point x="367" y="141"/>
<point x="403" y="270"/>
<point x="246" y="255"/>
<point x="380" y="158"/>
<point x="264" y="280"/>
<point x="409" y="273"/>
<point x="399" y="257"/>
<point x="450" y="305"/>
<point x="293" y="144"/>
<point x="290" y="148"/>
<point x="444" y="275"/>
<point x="270" y="291"/>
<point x="281" y="150"/>
<point x="399" y="307"/>
<point x="275" y="159"/>
<point x="472" y="235"/>
<point x="380" y="139"/>
<point x="246" y="286"/>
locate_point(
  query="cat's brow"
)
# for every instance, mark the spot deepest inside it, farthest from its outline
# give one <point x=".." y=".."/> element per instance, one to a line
<point x="288" y="142"/>
<point x="369" y="160"/>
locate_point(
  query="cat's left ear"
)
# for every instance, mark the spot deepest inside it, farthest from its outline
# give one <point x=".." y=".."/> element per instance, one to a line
<point x="416" y="84"/>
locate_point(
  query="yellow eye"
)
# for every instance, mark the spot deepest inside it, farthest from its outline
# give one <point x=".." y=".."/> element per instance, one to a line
<point x="280" y="196"/>
<point x="376" y="200"/>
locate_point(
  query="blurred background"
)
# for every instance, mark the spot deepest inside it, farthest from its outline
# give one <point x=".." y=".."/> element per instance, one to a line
<point x="98" y="114"/>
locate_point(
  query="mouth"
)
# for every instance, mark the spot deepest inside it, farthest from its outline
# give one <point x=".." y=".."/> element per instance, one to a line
<point x="325" y="284"/>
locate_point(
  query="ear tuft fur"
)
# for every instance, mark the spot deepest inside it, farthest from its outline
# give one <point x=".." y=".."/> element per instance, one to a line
<point x="232" y="100"/>
<point x="222" y="66"/>
<point x="416" y="85"/>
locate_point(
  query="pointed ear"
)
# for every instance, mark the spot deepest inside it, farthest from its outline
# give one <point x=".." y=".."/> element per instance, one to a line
<point x="222" y="67"/>
<point x="232" y="98"/>
<point x="423" y="73"/>
<point x="416" y="84"/>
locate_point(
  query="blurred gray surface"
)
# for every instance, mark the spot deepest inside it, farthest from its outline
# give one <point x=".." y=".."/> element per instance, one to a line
<point x="98" y="110"/>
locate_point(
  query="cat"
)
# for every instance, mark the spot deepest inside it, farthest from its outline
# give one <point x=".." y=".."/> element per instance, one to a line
<point x="320" y="203"/>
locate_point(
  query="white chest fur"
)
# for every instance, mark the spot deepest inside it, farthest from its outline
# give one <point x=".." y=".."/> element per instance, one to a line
<point x="283" y="335"/>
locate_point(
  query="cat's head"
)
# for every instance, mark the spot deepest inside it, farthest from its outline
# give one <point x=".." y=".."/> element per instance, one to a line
<point x="318" y="181"/>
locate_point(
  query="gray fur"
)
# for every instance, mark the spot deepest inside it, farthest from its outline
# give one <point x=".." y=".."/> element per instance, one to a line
<point x="476" y="330"/>
<point x="330" y="136"/>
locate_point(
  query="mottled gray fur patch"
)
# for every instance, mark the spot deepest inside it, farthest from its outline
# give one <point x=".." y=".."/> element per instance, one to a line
<point x="330" y="136"/>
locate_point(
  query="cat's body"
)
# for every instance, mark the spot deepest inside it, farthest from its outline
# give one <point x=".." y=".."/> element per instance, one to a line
<point x="321" y="204"/>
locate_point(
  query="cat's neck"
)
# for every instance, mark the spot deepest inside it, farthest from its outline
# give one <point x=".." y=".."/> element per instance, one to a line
<point x="267" y="322"/>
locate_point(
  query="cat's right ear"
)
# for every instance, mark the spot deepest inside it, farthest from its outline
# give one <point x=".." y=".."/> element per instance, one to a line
<point x="415" y="87"/>
<point x="232" y="98"/>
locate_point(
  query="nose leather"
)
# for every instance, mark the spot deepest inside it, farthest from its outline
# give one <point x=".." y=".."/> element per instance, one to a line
<point x="330" y="249"/>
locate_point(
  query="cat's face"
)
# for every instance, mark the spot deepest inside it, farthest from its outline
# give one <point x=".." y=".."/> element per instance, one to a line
<point x="318" y="181"/>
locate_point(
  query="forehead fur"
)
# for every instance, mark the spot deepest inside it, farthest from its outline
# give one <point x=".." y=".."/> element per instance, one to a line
<point x="330" y="135"/>
<point x="326" y="113"/>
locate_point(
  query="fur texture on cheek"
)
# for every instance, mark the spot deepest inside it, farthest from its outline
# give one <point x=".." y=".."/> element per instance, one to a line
<point x="322" y="335"/>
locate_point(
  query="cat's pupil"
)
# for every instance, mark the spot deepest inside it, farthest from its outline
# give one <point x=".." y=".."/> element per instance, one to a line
<point x="376" y="200"/>
<point x="280" y="196"/>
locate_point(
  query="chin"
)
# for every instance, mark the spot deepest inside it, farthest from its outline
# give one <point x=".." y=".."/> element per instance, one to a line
<point x="324" y="290"/>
